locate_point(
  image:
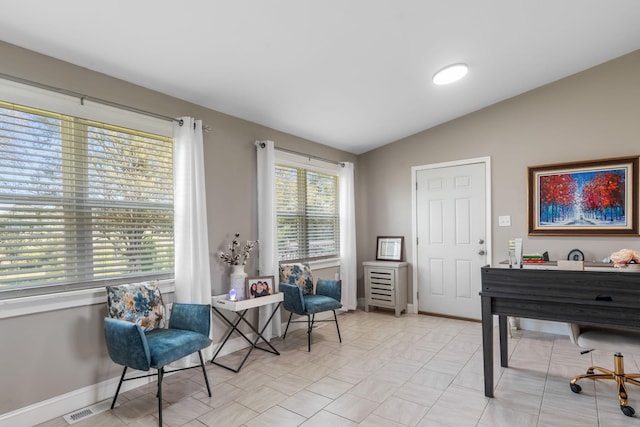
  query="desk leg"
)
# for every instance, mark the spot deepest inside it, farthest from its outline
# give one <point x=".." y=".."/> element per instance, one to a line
<point x="504" y="342"/>
<point x="487" y="345"/>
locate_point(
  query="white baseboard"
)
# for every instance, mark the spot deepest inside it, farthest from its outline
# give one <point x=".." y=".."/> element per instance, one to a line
<point x="549" y="327"/>
<point x="65" y="403"/>
<point x="59" y="406"/>
<point x="87" y="396"/>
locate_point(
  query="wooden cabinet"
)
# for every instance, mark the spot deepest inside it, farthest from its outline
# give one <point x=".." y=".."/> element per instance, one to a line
<point x="385" y="285"/>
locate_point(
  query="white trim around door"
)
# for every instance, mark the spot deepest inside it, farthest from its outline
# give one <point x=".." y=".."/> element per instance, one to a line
<point x="413" y="307"/>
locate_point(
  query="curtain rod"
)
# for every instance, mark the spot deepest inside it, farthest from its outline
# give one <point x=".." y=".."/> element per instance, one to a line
<point x="82" y="98"/>
<point x="309" y="156"/>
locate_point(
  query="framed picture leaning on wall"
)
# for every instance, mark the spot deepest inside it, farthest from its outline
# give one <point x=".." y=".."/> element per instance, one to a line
<point x="389" y="248"/>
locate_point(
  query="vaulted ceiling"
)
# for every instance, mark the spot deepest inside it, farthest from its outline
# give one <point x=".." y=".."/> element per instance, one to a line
<point x="351" y="74"/>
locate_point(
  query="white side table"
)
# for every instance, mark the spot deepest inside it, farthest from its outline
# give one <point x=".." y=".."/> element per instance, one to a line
<point x="240" y="308"/>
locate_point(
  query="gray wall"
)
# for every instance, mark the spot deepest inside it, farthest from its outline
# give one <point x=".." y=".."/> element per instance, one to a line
<point x="594" y="114"/>
<point x="591" y="115"/>
<point x="49" y="354"/>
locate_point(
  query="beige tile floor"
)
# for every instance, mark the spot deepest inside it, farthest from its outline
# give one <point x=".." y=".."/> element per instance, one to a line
<point x="414" y="370"/>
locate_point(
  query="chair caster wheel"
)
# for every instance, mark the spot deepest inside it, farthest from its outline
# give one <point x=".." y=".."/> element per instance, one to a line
<point x="576" y="388"/>
<point x="627" y="410"/>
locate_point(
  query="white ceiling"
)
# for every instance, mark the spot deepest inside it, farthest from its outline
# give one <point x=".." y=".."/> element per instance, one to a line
<point x="351" y="74"/>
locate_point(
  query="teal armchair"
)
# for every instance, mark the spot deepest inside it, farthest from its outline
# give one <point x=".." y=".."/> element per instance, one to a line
<point x="296" y="282"/>
<point x="136" y="338"/>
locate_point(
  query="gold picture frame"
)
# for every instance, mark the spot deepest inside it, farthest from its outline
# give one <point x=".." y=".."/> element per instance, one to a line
<point x="596" y="197"/>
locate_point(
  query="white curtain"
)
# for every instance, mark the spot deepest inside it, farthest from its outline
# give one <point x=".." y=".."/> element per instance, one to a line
<point x="192" y="271"/>
<point x="267" y="232"/>
<point x="348" y="262"/>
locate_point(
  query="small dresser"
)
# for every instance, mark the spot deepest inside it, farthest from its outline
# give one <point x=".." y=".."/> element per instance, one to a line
<point x="385" y="285"/>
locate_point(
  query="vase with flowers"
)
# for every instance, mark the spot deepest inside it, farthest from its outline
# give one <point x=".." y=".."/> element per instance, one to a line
<point x="236" y="258"/>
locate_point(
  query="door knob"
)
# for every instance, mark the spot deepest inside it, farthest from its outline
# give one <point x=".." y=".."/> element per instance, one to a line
<point x="481" y="252"/>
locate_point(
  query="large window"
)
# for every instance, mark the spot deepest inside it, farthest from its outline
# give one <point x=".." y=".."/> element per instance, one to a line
<point x="82" y="203"/>
<point x="308" y="214"/>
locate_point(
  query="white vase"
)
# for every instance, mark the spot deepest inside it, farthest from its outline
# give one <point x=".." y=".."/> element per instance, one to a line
<point x="237" y="281"/>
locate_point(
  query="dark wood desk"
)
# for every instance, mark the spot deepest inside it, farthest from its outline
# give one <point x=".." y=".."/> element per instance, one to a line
<point x="606" y="298"/>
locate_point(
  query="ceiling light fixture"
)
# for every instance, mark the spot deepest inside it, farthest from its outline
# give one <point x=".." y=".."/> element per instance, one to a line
<point x="450" y="74"/>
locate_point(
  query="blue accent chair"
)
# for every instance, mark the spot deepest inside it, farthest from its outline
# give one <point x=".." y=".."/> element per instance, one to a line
<point x="296" y="282"/>
<point x="136" y="339"/>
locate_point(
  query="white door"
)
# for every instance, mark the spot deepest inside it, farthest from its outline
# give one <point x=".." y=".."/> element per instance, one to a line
<point x="452" y="238"/>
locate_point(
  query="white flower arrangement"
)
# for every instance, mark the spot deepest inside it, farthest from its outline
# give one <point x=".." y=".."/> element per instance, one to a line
<point x="233" y="256"/>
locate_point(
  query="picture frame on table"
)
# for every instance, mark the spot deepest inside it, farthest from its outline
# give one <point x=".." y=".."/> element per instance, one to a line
<point x="390" y="248"/>
<point x="596" y="197"/>
<point x="259" y="286"/>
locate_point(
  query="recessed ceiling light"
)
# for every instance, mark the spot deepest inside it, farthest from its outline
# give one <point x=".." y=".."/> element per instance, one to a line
<point x="450" y="74"/>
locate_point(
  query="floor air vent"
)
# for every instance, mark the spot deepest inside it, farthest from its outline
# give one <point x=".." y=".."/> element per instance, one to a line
<point x="87" y="412"/>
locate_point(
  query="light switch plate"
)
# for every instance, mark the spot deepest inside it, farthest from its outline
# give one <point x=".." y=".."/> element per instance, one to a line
<point x="504" y="221"/>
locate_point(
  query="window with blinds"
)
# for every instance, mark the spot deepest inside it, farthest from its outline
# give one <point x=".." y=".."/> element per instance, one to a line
<point x="82" y="203"/>
<point x="307" y="214"/>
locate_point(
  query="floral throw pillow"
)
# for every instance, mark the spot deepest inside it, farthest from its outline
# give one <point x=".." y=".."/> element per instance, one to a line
<point x="139" y="303"/>
<point x="297" y="274"/>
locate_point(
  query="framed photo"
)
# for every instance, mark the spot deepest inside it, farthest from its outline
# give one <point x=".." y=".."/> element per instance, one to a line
<point x="390" y="248"/>
<point x="597" y="197"/>
<point x="259" y="286"/>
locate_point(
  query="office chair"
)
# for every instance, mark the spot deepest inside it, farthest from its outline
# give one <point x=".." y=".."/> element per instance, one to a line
<point x="136" y="339"/>
<point x="296" y="282"/>
<point x="614" y="340"/>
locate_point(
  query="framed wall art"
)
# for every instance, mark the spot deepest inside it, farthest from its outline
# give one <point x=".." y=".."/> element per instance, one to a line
<point x="389" y="248"/>
<point x="597" y="197"/>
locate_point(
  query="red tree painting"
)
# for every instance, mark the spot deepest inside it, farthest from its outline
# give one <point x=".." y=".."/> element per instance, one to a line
<point x="582" y="198"/>
<point x="557" y="196"/>
<point x="603" y="197"/>
<point x="596" y="197"/>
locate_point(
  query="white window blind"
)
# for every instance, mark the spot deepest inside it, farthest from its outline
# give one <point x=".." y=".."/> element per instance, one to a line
<point x="82" y="203"/>
<point x="308" y="214"/>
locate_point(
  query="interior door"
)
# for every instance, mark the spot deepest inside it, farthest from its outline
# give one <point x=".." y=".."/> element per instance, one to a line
<point x="451" y="232"/>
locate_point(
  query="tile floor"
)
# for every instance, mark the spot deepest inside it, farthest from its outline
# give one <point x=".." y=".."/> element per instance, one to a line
<point x="414" y="370"/>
